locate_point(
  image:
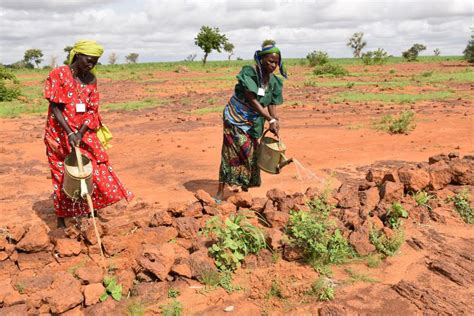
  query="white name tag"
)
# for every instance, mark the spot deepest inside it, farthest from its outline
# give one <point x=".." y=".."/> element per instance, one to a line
<point x="80" y="107"/>
<point x="261" y="92"/>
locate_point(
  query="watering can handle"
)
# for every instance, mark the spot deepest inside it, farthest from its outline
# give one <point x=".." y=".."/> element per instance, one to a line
<point x="276" y="135"/>
<point x="79" y="160"/>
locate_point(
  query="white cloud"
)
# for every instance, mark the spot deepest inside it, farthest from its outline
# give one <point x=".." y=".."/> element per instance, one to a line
<point x="165" y="30"/>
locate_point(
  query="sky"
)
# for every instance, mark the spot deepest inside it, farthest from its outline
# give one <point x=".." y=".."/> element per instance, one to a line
<point x="164" y="30"/>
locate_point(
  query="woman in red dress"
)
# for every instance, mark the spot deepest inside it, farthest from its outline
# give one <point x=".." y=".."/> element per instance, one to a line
<point x="73" y="118"/>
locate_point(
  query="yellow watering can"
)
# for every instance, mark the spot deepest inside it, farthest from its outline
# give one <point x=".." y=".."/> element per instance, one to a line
<point x="271" y="154"/>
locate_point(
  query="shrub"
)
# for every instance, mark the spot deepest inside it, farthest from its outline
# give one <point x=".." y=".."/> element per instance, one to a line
<point x="8" y="94"/>
<point x="377" y="57"/>
<point x="412" y="53"/>
<point x="330" y="69"/>
<point x="387" y="246"/>
<point x="235" y="238"/>
<point x="469" y="50"/>
<point x="394" y="214"/>
<point x="323" y="289"/>
<point x="462" y="206"/>
<point x="317" y="58"/>
<point x="404" y="123"/>
<point x="316" y="237"/>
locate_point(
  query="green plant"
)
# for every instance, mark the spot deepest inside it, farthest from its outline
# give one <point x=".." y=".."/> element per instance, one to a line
<point x="317" y="58"/>
<point x="112" y="288"/>
<point x="235" y="238"/>
<point x="350" y="85"/>
<point x="323" y="289"/>
<point x="358" y="277"/>
<point x="377" y="57"/>
<point x="173" y="293"/>
<point x="8" y="93"/>
<point x="226" y="283"/>
<point x="209" y="277"/>
<point x="387" y="246"/>
<point x="175" y="308"/>
<point x="275" y="290"/>
<point x="404" y="123"/>
<point x="392" y="71"/>
<point x="468" y="52"/>
<point x="462" y="205"/>
<point x="20" y="287"/>
<point x="394" y="214"/>
<point x="316" y="237"/>
<point x="330" y="69"/>
<point x="427" y="74"/>
<point x="412" y="53"/>
<point x="422" y="198"/>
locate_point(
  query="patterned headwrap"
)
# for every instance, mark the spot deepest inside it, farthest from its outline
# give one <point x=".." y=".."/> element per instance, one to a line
<point x="86" y="47"/>
<point x="269" y="49"/>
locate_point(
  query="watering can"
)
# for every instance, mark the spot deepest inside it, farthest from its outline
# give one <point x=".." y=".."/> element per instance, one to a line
<point x="271" y="154"/>
<point x="77" y="175"/>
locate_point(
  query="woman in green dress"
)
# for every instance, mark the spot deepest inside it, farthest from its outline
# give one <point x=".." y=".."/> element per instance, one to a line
<point x="255" y="98"/>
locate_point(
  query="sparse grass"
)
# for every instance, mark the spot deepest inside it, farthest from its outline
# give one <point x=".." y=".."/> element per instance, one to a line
<point x="355" y="277"/>
<point x="275" y="290"/>
<point x="387" y="246"/>
<point x="173" y="293"/>
<point x="135" y="308"/>
<point x="135" y="105"/>
<point x="207" y="110"/>
<point x="322" y="289"/>
<point x="330" y="69"/>
<point x="373" y="261"/>
<point x="422" y="198"/>
<point x="462" y="205"/>
<point x="399" y="98"/>
<point x="402" y="124"/>
<point x="175" y="308"/>
<point x="213" y="278"/>
<point x="20" y="287"/>
<point x="210" y="278"/>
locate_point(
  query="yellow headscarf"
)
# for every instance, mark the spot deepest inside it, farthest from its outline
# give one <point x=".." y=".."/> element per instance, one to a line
<point x="86" y="47"/>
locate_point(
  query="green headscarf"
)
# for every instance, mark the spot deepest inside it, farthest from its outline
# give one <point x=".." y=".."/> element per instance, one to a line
<point x="270" y="49"/>
<point x="86" y="47"/>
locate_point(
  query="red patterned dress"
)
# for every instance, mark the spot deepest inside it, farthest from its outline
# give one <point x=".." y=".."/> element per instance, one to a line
<point x="61" y="87"/>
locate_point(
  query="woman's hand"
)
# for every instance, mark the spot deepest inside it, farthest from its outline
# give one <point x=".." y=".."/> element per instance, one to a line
<point x="74" y="139"/>
<point x="275" y="127"/>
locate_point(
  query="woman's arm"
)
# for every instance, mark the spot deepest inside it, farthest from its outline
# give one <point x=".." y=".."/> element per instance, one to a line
<point x="272" y="111"/>
<point x="57" y="110"/>
<point x="253" y="102"/>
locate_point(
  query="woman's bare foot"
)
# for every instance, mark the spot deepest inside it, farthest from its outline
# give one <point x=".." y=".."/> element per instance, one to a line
<point x="220" y="192"/>
<point x="61" y="222"/>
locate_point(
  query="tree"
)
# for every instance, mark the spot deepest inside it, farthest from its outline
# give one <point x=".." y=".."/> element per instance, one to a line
<point x="67" y="50"/>
<point x="229" y="48"/>
<point x="131" y="58"/>
<point x="469" y="51"/>
<point x="377" y="57"/>
<point x="412" y="53"/>
<point x="33" y="55"/>
<point x="437" y="52"/>
<point x="190" y="57"/>
<point x="209" y="39"/>
<point x="113" y="58"/>
<point x="357" y="43"/>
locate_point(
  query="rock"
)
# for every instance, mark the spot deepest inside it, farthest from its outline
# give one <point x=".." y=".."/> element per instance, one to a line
<point x="375" y="175"/>
<point x="414" y="179"/>
<point x="34" y="261"/>
<point x="107" y="308"/>
<point x="88" y="230"/>
<point x="227" y="208"/>
<point x="176" y="209"/>
<point x="205" y="198"/>
<point x="126" y="278"/>
<point x="331" y="310"/>
<point x="276" y="195"/>
<point x="114" y="244"/>
<point x="351" y="218"/>
<point x="6" y="289"/>
<point x="312" y="192"/>
<point x="276" y="219"/>
<point x="200" y="262"/>
<point x="286" y="205"/>
<point x="193" y="210"/>
<point x="437" y="158"/>
<point x="440" y="175"/>
<point x="157" y="259"/>
<point x="67" y="247"/>
<point x="161" y="218"/>
<point x="15" y="232"/>
<point x="274" y="238"/>
<point x="347" y="196"/>
<point x="187" y="227"/>
<point x="375" y="222"/>
<point x="463" y="172"/>
<point x="92" y="293"/>
<point x="258" y="204"/>
<point x="151" y="292"/>
<point x="4" y="255"/>
<point x="162" y="234"/>
<point x="229" y="308"/>
<point x="14" y="310"/>
<point x="359" y="239"/>
<point x="77" y="311"/>
<point x="391" y="191"/>
<point x="291" y="253"/>
<point x="90" y="273"/>
<point x="369" y="199"/>
<point x="182" y="269"/>
<point x="35" y="240"/>
<point x="241" y="199"/>
<point x="65" y="293"/>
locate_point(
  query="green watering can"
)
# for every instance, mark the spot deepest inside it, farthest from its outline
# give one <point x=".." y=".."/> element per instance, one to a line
<point x="271" y="154"/>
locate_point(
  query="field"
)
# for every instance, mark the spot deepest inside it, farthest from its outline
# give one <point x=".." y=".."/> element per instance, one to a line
<point x="167" y="126"/>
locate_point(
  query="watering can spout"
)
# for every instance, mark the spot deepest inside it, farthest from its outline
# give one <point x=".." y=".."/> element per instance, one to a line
<point x="283" y="163"/>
